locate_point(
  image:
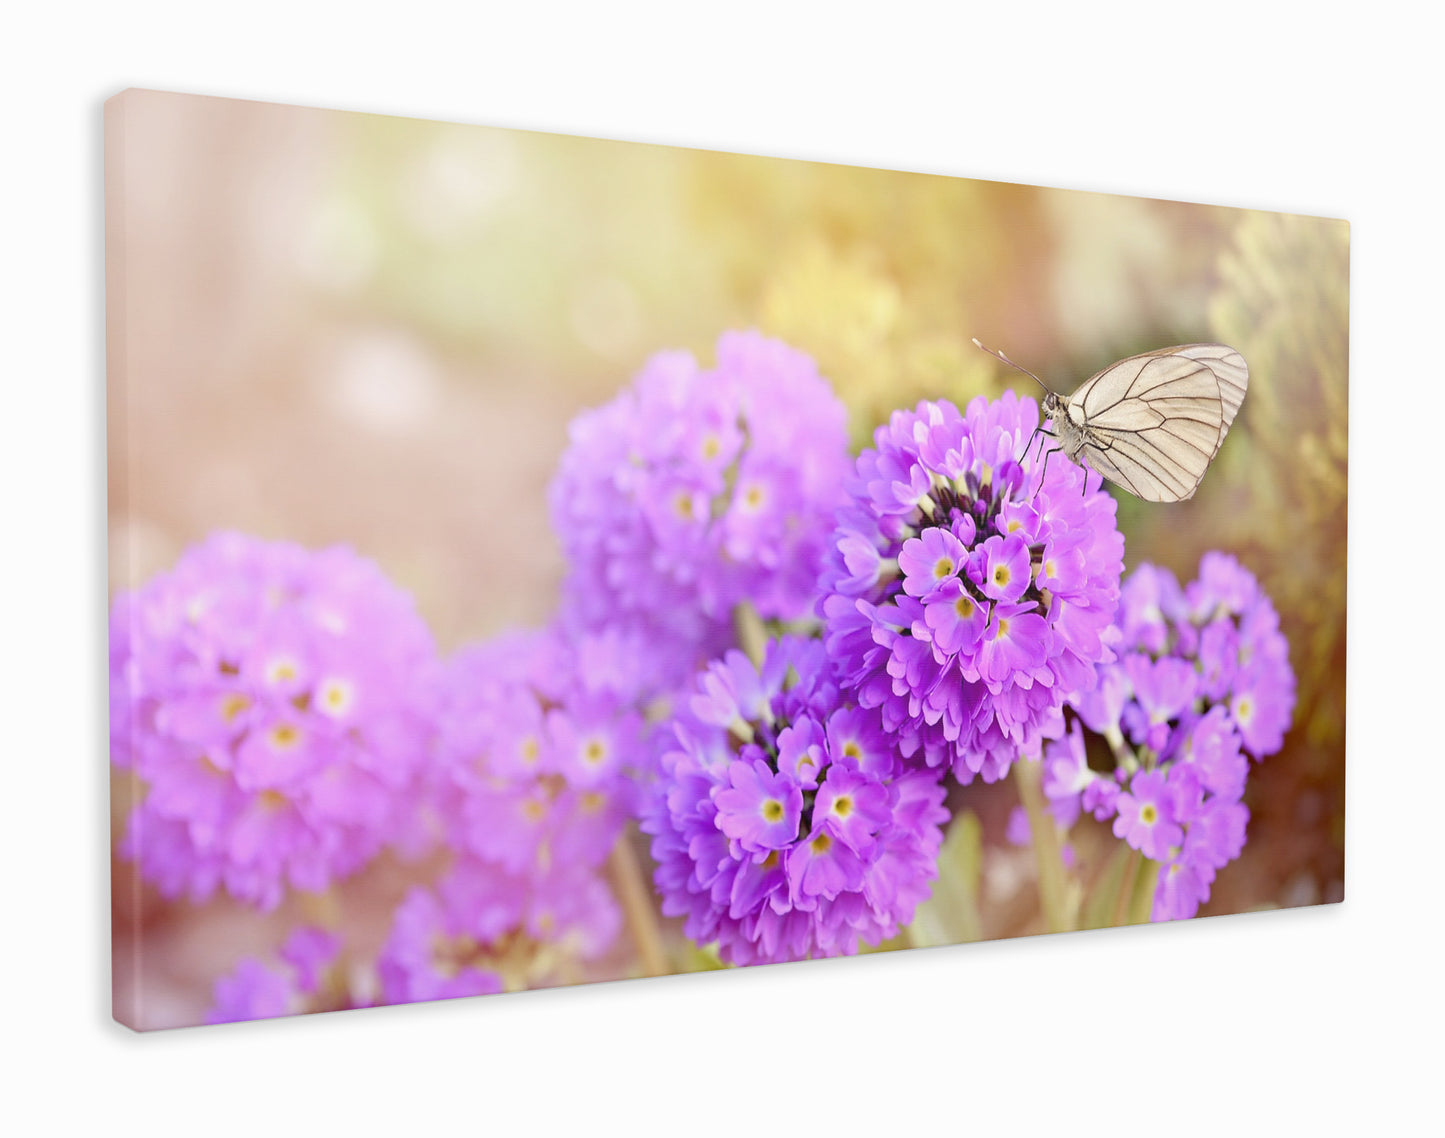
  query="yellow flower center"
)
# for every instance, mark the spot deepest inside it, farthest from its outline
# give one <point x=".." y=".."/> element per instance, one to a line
<point x="335" y="696"/>
<point x="942" y="568"/>
<point x="1001" y="575"/>
<point x="593" y="801"/>
<point x="843" y="805"/>
<point x="964" y="607"/>
<point x="1149" y="814"/>
<point x="594" y="752"/>
<point x="284" y="736"/>
<point x="821" y="844"/>
<point x="232" y="705"/>
<point x="772" y="810"/>
<point x="281" y="670"/>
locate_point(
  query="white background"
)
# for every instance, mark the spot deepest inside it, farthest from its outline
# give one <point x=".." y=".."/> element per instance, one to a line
<point x="1319" y="1019"/>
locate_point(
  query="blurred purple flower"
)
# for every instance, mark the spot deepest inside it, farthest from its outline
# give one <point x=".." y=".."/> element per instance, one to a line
<point x="276" y="703"/>
<point x="966" y="589"/>
<point x="1202" y="682"/>
<point x="535" y="747"/>
<point x="785" y="824"/>
<point x="290" y="985"/>
<point x="695" y="490"/>
<point x="1226" y="629"/>
<point x="482" y="930"/>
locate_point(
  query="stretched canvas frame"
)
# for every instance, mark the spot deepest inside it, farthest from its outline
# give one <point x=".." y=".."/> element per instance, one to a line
<point x="444" y="458"/>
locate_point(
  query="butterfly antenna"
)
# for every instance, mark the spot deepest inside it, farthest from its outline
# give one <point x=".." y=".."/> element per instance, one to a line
<point x="1004" y="359"/>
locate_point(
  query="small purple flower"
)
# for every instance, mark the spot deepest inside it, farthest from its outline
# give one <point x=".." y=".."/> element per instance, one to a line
<point x="821" y="867"/>
<point x="1216" y="833"/>
<point x="695" y="490"/>
<point x="852" y="807"/>
<point x="785" y="824"/>
<point x="967" y="590"/>
<point x="930" y="560"/>
<point x="1003" y="567"/>
<point x="292" y="984"/>
<point x="1162" y="690"/>
<point x="482" y="931"/>
<point x="1183" y="887"/>
<point x="1066" y="767"/>
<point x="310" y="951"/>
<point x="1212" y="748"/>
<point x="1146" y="818"/>
<point x="954" y="619"/>
<point x="1015" y="641"/>
<point x="761" y="808"/>
<point x="276" y="702"/>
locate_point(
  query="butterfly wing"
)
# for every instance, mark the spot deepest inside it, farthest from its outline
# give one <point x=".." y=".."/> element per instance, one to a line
<point x="1154" y="422"/>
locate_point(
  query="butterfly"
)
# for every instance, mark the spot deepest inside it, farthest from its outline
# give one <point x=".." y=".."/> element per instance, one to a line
<point x="1151" y="423"/>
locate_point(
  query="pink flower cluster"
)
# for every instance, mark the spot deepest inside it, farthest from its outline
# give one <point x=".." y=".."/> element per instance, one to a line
<point x="531" y="781"/>
<point x="695" y="490"/>
<point x="277" y="705"/>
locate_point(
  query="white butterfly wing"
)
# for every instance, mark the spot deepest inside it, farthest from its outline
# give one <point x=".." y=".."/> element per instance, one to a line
<point x="1155" y="421"/>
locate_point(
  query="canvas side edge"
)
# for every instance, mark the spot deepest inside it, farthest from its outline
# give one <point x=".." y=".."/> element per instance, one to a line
<point x="125" y="988"/>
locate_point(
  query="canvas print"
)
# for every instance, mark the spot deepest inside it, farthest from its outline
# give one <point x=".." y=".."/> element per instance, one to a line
<point x="539" y="560"/>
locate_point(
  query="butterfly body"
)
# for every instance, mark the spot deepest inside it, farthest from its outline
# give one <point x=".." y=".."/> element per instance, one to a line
<point x="1069" y="429"/>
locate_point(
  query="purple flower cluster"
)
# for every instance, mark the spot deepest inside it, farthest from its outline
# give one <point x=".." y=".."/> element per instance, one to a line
<point x="1202" y="683"/>
<point x="695" y="490"/>
<point x="535" y="746"/>
<point x="785" y="824"/>
<point x="302" y="979"/>
<point x="276" y="703"/>
<point x="968" y="585"/>
<point x="483" y="930"/>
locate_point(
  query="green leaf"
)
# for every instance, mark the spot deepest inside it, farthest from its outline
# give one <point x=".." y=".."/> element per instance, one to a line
<point x="694" y="958"/>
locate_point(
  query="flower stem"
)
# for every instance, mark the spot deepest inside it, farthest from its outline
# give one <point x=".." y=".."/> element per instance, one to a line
<point x="1141" y="908"/>
<point x="1028" y="774"/>
<point x="1123" y="753"/>
<point x="636" y="900"/>
<point x="751" y="633"/>
<point x="1126" y="888"/>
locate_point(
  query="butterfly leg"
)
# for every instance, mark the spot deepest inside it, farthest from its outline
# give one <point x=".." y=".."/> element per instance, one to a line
<point x="1028" y="446"/>
<point x="1043" y="473"/>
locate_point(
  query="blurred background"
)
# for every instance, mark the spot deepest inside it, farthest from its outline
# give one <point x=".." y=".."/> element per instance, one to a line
<point x="342" y="328"/>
